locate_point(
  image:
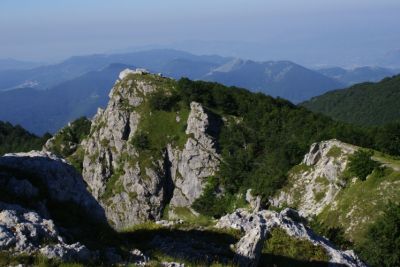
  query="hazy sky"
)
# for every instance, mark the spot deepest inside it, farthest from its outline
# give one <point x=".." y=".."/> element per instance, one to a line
<point x="306" y="31"/>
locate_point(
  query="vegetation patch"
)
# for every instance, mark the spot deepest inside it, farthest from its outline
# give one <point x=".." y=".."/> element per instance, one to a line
<point x="281" y="244"/>
<point x="188" y="217"/>
<point x="16" y="139"/>
<point x="361" y="164"/>
<point x="66" y="141"/>
<point x="382" y="240"/>
<point x="334" y="152"/>
<point x="359" y="204"/>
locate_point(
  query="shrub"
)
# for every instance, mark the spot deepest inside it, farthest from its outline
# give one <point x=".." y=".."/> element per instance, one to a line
<point x="361" y="164"/>
<point x="141" y="141"/>
<point x="161" y="101"/>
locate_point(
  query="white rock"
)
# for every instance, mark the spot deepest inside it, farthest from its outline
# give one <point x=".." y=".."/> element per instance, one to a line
<point x="253" y="225"/>
<point x="126" y="72"/>
<point x="322" y="178"/>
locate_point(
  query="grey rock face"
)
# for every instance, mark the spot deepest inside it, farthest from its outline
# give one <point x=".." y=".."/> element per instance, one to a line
<point x="318" y="182"/>
<point x="67" y="252"/>
<point x="25" y="231"/>
<point x="198" y="160"/>
<point x="60" y="180"/>
<point x="249" y="247"/>
<point x="131" y="193"/>
<point x="257" y="225"/>
<point x="134" y="195"/>
<point x="254" y="201"/>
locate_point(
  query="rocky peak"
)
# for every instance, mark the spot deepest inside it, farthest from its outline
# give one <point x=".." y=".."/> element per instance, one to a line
<point x="135" y="184"/>
<point x="198" y="160"/>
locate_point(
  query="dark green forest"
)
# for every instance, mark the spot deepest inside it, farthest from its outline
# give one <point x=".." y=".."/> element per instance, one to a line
<point x="362" y="104"/>
<point x="17" y="139"/>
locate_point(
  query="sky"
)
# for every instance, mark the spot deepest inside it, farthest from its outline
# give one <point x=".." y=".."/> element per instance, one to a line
<point x="311" y="32"/>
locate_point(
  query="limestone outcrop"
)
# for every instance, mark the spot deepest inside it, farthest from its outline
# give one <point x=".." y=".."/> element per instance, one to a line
<point x="198" y="160"/>
<point x="315" y="183"/>
<point x="25" y="231"/>
<point x="133" y="185"/>
<point x="256" y="226"/>
<point x="26" y="175"/>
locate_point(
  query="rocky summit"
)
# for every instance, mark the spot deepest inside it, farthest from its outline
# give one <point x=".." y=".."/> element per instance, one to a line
<point x="126" y="190"/>
<point x="130" y="184"/>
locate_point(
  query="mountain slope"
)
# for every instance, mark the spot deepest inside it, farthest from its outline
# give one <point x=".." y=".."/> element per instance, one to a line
<point x="340" y="203"/>
<point x="357" y="75"/>
<point x="363" y="104"/>
<point x="190" y="151"/>
<point x="43" y="111"/>
<point x="164" y="138"/>
<point x="280" y="78"/>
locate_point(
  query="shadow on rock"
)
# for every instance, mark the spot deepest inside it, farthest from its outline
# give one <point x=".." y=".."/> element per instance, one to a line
<point x="44" y="183"/>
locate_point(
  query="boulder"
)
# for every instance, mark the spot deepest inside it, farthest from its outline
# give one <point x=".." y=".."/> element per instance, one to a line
<point x="257" y="225"/>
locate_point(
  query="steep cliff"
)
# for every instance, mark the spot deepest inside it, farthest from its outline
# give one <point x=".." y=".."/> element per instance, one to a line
<point x="139" y="158"/>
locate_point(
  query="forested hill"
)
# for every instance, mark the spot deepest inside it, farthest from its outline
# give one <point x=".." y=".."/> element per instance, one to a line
<point x="17" y="139"/>
<point x="363" y="104"/>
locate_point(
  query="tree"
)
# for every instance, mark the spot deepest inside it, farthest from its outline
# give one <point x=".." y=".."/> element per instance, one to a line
<point x="161" y="101"/>
<point x="141" y="141"/>
<point x="382" y="245"/>
<point x="361" y="164"/>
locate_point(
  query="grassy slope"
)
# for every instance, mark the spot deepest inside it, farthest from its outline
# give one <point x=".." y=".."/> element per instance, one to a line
<point x="362" y="202"/>
<point x="364" y="104"/>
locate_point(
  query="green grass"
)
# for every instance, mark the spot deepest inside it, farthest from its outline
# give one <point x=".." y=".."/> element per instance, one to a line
<point x="280" y="243"/>
<point x="36" y="260"/>
<point x="322" y="180"/>
<point x="334" y="152"/>
<point x="162" y="127"/>
<point x="187" y="216"/>
<point x="319" y="195"/>
<point x="300" y="169"/>
<point x="113" y="184"/>
<point x="390" y="161"/>
<point x="359" y="204"/>
<point x="146" y="226"/>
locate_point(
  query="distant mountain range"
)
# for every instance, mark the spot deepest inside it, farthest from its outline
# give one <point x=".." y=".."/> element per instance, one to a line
<point x="45" y="98"/>
<point x="42" y="111"/>
<point x="363" y="104"/>
<point x="46" y="77"/>
<point x="357" y="75"/>
<point x="276" y="78"/>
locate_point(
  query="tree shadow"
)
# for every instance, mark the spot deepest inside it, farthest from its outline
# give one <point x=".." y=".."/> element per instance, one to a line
<point x="190" y="245"/>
